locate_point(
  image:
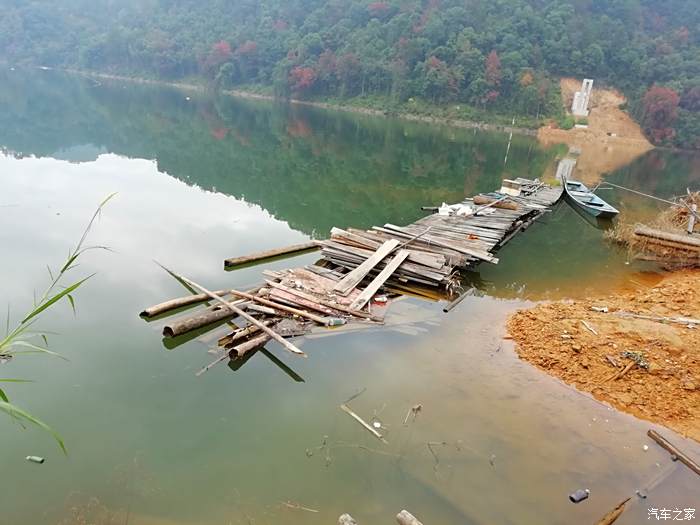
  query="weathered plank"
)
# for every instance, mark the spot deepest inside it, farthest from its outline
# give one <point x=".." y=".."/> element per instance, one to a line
<point x="379" y="280"/>
<point x="351" y="280"/>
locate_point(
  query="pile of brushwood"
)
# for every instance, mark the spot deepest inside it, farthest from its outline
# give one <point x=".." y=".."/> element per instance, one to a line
<point x="672" y="239"/>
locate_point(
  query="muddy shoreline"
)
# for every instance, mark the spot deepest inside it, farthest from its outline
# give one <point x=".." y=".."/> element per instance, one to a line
<point x="589" y="349"/>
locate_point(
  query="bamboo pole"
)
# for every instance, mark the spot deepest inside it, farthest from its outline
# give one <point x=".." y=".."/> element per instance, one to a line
<point x="683" y="458"/>
<point x="283" y="308"/>
<point x="362" y="422"/>
<point x="173" y="304"/>
<point x="286" y="344"/>
<point x="259" y="257"/>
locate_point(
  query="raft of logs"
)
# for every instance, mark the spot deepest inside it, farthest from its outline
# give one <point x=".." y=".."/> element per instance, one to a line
<point x="359" y="274"/>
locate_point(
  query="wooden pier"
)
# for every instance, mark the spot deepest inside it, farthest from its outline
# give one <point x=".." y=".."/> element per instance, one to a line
<point x="361" y="271"/>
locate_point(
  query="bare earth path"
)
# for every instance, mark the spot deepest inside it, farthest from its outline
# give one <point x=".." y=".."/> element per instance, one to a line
<point x="612" y="139"/>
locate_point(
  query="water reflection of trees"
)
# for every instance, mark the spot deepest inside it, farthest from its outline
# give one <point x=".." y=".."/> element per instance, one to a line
<point x="310" y="167"/>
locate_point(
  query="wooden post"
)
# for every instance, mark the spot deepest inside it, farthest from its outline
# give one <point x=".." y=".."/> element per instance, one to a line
<point x="691" y="218"/>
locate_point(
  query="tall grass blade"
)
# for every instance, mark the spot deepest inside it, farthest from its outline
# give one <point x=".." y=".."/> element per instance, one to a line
<point x="20" y="414"/>
<point x="43" y="306"/>
<point x="33" y="349"/>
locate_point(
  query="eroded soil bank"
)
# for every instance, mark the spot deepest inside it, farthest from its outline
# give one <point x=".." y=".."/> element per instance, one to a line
<point x="611" y="140"/>
<point x="588" y="348"/>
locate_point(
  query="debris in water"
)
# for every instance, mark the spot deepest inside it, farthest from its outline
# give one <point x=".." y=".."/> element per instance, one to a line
<point x="413" y="411"/>
<point x="35" y="459"/>
<point x="297" y="506"/>
<point x="579" y="495"/>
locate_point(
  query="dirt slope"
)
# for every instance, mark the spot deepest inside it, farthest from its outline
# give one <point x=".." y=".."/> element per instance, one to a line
<point x="612" y="139"/>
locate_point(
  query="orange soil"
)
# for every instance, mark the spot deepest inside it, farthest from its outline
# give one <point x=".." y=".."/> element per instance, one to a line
<point x="554" y="338"/>
<point x="600" y="152"/>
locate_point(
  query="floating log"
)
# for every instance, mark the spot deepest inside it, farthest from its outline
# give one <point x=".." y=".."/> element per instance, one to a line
<point x="259" y="257"/>
<point x="406" y="518"/>
<point x="682" y="457"/>
<point x="174" y="304"/>
<point x="286" y="344"/>
<point x="689" y="240"/>
<point x="212" y="315"/>
<point x="495" y="203"/>
<point x="253" y="343"/>
<point x="228" y="340"/>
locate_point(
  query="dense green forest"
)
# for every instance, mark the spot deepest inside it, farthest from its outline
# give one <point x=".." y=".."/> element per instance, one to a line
<point x="479" y="57"/>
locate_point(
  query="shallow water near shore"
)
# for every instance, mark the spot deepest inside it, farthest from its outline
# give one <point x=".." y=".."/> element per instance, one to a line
<point x="200" y="180"/>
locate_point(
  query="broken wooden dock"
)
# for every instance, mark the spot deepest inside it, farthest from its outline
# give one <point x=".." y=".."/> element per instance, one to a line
<point x="361" y="271"/>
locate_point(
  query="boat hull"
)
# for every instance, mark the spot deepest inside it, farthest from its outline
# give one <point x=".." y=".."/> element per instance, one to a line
<point x="585" y="200"/>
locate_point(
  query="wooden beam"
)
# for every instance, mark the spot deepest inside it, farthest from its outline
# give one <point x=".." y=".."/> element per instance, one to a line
<point x="379" y="280"/>
<point x="683" y="458"/>
<point x="295" y="311"/>
<point x="260" y="257"/>
<point x="351" y="280"/>
<point x="645" y="231"/>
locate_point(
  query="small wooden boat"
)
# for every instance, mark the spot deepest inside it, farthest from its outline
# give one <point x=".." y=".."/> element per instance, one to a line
<point x="583" y="198"/>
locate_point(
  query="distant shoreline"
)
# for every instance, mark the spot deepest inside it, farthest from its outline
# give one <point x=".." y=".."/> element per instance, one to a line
<point x="457" y="123"/>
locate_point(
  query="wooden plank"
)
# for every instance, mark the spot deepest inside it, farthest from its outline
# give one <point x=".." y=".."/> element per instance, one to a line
<point x="295" y="311"/>
<point x="269" y="254"/>
<point x="351" y="280"/>
<point x="479" y="254"/>
<point x="379" y="280"/>
<point x="323" y="302"/>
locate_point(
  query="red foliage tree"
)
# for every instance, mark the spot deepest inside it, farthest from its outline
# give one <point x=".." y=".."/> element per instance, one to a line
<point x="378" y="9"/>
<point x="327" y="63"/>
<point x="660" y="112"/>
<point x="247" y="48"/>
<point x="301" y="78"/>
<point x="493" y="72"/>
<point x="220" y="53"/>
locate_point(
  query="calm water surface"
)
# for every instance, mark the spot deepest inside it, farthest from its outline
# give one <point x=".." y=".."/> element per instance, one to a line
<point x="200" y="180"/>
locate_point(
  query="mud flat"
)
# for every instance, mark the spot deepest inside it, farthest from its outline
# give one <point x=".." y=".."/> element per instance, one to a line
<point x="647" y="367"/>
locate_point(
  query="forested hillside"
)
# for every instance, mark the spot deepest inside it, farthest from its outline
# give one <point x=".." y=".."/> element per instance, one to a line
<point x="494" y="56"/>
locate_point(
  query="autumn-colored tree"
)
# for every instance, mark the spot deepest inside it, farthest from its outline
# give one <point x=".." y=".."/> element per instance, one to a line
<point x="247" y="48"/>
<point x="527" y="79"/>
<point x="660" y="106"/>
<point x="219" y="54"/>
<point x="493" y="72"/>
<point x="301" y="79"/>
